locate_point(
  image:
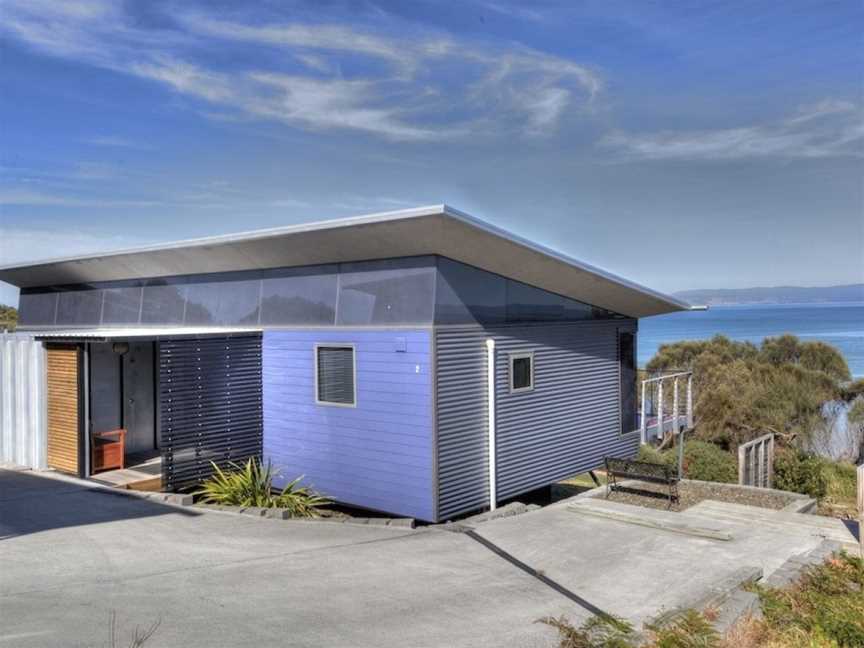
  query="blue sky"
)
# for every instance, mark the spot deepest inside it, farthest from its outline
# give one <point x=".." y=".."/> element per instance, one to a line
<point x="681" y="144"/>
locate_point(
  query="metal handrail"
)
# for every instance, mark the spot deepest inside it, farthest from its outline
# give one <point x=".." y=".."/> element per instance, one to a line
<point x="676" y="414"/>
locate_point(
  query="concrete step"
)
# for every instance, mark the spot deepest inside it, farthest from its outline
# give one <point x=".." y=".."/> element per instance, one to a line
<point x="756" y="513"/>
<point x="664" y="520"/>
<point x="741" y="604"/>
<point x="153" y="484"/>
<point x="727" y="592"/>
<point x="768" y="519"/>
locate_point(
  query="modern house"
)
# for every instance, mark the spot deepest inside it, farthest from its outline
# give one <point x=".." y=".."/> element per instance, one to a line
<point x="419" y="362"/>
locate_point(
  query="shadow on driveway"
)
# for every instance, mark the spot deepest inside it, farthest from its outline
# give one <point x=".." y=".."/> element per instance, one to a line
<point x="30" y="503"/>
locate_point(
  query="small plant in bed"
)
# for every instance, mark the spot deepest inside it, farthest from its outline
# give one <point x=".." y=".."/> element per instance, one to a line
<point x="252" y="485"/>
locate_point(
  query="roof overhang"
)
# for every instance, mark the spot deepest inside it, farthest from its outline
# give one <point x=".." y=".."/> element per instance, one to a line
<point x="438" y="229"/>
<point x="102" y="335"/>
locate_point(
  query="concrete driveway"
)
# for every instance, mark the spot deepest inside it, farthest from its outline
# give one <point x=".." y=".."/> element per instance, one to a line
<point x="71" y="556"/>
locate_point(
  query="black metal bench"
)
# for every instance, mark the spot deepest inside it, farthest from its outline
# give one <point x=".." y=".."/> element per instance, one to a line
<point x="641" y="471"/>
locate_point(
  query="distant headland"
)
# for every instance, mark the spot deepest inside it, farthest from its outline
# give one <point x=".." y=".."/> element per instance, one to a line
<point x="775" y="295"/>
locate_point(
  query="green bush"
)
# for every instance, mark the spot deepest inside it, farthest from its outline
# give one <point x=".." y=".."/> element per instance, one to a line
<point x="799" y="472"/>
<point x="741" y="391"/>
<point x="702" y="460"/>
<point x="252" y="485"/>
<point x="652" y="455"/>
<point x="707" y="462"/>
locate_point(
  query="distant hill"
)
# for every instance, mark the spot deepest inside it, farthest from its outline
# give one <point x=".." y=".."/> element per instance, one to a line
<point x="776" y="295"/>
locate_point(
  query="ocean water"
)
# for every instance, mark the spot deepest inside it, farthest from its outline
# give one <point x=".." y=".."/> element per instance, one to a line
<point x="840" y="325"/>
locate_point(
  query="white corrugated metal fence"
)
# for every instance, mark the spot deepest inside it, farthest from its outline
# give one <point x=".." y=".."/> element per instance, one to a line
<point x="23" y="401"/>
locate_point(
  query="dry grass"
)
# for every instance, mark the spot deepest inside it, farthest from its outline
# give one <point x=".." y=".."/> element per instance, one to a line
<point x="824" y="608"/>
<point x="840" y="497"/>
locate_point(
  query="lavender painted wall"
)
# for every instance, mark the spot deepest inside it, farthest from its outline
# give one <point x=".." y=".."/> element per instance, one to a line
<point x="378" y="454"/>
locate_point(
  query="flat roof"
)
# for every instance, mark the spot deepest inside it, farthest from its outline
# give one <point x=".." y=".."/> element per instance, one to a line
<point x="437" y="229"/>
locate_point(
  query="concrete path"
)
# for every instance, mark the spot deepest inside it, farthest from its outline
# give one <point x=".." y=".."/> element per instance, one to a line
<point x="71" y="556"/>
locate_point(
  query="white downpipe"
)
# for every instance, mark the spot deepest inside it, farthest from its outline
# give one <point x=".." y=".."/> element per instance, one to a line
<point x="643" y="423"/>
<point x="490" y="386"/>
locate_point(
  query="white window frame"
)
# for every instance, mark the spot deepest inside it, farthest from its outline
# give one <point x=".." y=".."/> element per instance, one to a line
<point x="336" y="345"/>
<point x="518" y="356"/>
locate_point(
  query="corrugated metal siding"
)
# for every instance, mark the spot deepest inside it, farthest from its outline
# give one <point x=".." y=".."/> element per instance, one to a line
<point x="210" y="405"/>
<point x="377" y="454"/>
<point x="566" y="425"/>
<point x="462" y="410"/>
<point x="23" y="401"/>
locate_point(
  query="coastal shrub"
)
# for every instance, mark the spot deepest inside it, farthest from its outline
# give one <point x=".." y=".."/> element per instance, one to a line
<point x="798" y="472"/>
<point x="702" y="460"/>
<point x="840" y="489"/>
<point x="707" y="462"/>
<point x="252" y="485"/>
<point x="742" y="391"/>
<point x="815" y="356"/>
<point x="650" y="454"/>
<point x="854" y="389"/>
<point x="824" y="608"/>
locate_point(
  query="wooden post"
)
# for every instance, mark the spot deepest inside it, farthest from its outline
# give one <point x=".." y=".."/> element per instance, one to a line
<point x="860" y="474"/>
<point x="742" y="455"/>
<point x="660" y="409"/>
<point x="771" y="461"/>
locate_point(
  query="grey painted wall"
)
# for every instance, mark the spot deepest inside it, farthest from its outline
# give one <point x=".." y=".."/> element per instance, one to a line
<point x="566" y="425"/>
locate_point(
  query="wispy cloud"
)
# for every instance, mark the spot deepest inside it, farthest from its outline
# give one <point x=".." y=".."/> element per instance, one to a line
<point x="423" y="87"/>
<point x="46" y="199"/>
<point x="831" y="128"/>
<point x="113" y="141"/>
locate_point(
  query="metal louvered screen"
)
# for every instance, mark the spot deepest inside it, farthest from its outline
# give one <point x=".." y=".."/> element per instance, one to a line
<point x="210" y="406"/>
<point x="335" y="374"/>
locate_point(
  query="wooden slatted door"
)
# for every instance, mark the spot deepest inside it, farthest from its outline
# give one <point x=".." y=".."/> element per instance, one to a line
<point x="64" y="409"/>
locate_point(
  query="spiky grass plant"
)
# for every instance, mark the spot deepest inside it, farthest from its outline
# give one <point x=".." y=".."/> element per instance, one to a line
<point x="595" y="632"/>
<point x="300" y="501"/>
<point x="252" y="485"/>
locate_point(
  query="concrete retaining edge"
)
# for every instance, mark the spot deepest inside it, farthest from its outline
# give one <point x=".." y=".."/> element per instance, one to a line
<point x="282" y="514"/>
<point x="186" y="501"/>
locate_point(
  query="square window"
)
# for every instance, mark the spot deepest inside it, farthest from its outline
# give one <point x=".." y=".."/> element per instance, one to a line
<point x="521" y="372"/>
<point x="335" y="369"/>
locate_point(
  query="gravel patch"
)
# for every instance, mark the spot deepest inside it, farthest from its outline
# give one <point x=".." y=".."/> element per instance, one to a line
<point x="691" y="493"/>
